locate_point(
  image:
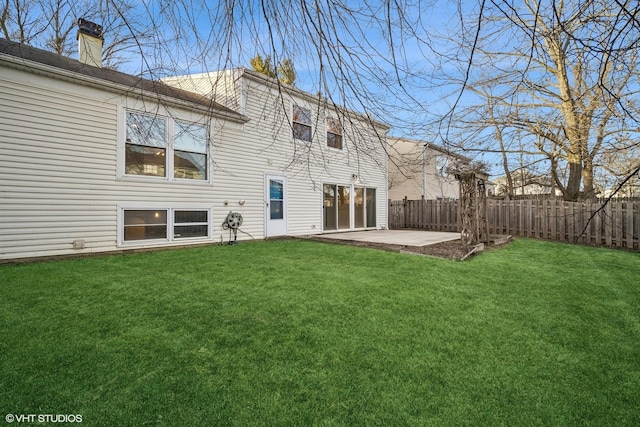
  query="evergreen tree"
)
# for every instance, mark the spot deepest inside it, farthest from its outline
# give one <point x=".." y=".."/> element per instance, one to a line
<point x="285" y="71"/>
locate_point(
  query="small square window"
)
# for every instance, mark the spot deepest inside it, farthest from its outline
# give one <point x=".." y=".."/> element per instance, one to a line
<point x="301" y="123"/>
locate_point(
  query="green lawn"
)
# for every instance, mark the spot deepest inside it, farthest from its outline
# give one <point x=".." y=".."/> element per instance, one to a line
<point x="304" y="333"/>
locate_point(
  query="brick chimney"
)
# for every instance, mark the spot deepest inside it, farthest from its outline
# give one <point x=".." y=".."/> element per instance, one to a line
<point x="90" y="42"/>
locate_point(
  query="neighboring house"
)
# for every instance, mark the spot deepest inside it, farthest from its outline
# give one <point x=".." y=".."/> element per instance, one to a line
<point x="490" y="186"/>
<point x="524" y="182"/>
<point x="419" y="169"/>
<point x="93" y="160"/>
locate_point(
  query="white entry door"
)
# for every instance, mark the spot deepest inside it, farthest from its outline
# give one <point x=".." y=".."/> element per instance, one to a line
<point x="275" y="205"/>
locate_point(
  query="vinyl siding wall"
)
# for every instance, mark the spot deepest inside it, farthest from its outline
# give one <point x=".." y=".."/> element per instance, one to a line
<point x="61" y="149"/>
<point x="413" y="172"/>
<point x="269" y="148"/>
<point x="62" y="165"/>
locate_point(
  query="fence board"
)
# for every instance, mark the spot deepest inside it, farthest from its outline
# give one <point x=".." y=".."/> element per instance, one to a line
<point x="607" y="225"/>
<point x="629" y="228"/>
<point x="598" y="226"/>
<point x="616" y="224"/>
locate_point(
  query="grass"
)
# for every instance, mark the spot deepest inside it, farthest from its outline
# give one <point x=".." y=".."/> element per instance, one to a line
<point x="305" y="333"/>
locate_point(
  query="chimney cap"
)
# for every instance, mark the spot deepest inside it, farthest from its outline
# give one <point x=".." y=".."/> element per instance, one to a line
<point x="90" y="28"/>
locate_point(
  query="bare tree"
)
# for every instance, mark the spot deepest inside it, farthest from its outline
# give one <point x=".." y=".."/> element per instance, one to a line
<point x="51" y="25"/>
<point x="564" y="77"/>
<point x="562" y="74"/>
<point x="19" y="20"/>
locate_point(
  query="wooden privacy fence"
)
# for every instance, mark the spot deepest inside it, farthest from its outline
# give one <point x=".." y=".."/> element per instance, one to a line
<point x="616" y="223"/>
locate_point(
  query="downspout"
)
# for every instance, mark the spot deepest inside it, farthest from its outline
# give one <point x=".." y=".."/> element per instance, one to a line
<point x="424" y="170"/>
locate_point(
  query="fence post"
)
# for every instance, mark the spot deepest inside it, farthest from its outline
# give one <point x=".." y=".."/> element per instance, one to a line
<point x="404" y="211"/>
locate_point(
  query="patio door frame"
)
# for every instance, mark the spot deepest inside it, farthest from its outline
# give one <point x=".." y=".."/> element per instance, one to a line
<point x="352" y="207"/>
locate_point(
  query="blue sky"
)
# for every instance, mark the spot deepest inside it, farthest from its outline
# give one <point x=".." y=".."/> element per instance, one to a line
<point x="407" y="96"/>
<point x="410" y="90"/>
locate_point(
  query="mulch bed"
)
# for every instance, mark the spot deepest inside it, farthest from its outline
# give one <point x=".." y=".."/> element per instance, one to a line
<point x="453" y="249"/>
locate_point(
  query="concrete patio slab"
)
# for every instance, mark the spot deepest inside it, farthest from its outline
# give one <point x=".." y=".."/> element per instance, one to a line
<point x="394" y="237"/>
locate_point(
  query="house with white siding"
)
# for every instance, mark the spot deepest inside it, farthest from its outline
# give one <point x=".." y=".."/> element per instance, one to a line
<point x="324" y="167"/>
<point x="94" y="160"/>
<point x="420" y="169"/>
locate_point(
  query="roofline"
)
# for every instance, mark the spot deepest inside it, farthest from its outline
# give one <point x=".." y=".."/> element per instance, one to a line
<point x="261" y="78"/>
<point x="431" y="145"/>
<point x="203" y="104"/>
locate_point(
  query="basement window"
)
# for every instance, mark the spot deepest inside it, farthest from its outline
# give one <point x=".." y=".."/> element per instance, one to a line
<point x="190" y="224"/>
<point x="165" y="224"/>
<point x="145" y="224"/>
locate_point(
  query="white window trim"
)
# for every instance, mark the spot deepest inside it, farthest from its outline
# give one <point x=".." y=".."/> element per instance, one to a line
<point x="441" y="171"/>
<point x="121" y="123"/>
<point x="326" y="131"/>
<point x="170" y="208"/>
<point x="306" y="107"/>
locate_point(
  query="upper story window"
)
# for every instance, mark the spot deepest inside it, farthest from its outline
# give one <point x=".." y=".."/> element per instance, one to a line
<point x="334" y="133"/>
<point x="442" y="166"/>
<point x="301" y="123"/>
<point x="148" y="151"/>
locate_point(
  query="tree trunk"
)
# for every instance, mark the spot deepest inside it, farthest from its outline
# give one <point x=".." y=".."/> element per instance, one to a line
<point x="572" y="191"/>
<point x="505" y="163"/>
<point x="587" y="180"/>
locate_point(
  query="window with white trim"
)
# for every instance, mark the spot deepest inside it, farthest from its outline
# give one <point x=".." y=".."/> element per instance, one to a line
<point x="442" y="166"/>
<point x="301" y="123"/>
<point x="190" y="224"/>
<point x="148" y="150"/>
<point x="190" y="151"/>
<point x="165" y="224"/>
<point x="334" y="133"/>
<point x="146" y="146"/>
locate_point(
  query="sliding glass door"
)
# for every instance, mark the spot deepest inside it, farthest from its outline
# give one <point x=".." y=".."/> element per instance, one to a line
<point x="330" y="213"/>
<point x="358" y="207"/>
<point x="348" y="207"/>
<point x="371" y="207"/>
<point x="344" y="207"/>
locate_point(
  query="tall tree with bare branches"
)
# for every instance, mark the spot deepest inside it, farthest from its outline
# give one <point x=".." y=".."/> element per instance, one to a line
<point x="563" y="76"/>
<point x="52" y="24"/>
